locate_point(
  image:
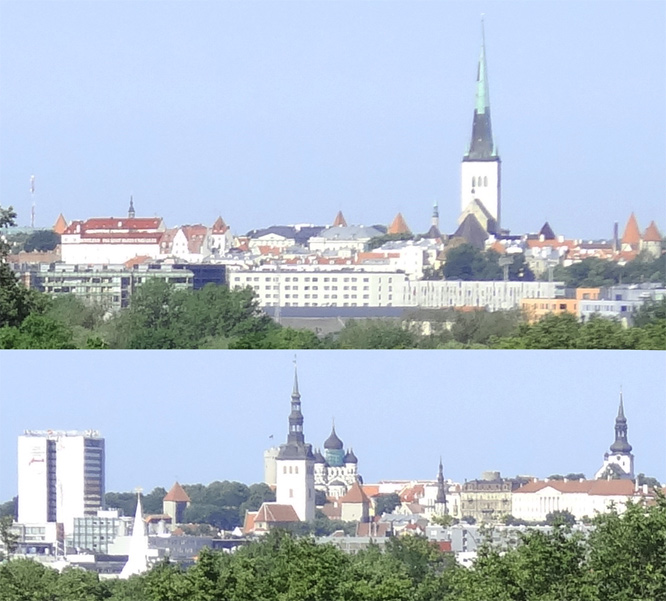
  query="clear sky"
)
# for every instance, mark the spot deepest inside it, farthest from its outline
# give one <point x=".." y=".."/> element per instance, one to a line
<point x="208" y="415"/>
<point x="288" y="111"/>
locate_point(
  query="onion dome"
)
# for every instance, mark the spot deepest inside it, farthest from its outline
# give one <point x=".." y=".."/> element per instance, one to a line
<point x="333" y="442"/>
<point x="318" y="457"/>
<point x="350" y="457"/>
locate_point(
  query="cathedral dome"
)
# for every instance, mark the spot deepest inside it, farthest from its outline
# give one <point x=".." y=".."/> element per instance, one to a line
<point x="620" y="446"/>
<point x="333" y="442"/>
<point x="350" y="457"/>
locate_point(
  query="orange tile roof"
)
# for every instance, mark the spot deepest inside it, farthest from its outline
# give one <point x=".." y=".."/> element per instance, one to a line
<point x="177" y="494"/>
<point x="248" y="524"/>
<point x="399" y="226"/>
<point x="355" y="495"/>
<point x="137" y="261"/>
<point x="60" y="225"/>
<point x="632" y="234"/>
<point x="195" y="235"/>
<point x="220" y="226"/>
<point x="372" y="490"/>
<point x="652" y="233"/>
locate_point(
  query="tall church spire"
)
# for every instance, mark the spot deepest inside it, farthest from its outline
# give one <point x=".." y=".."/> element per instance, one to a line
<point x="621" y="444"/>
<point x="296" y="417"/>
<point x="481" y="146"/>
<point x="441" y="487"/>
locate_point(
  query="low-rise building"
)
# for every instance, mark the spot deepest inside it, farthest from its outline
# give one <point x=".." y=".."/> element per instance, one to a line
<point x="489" y="498"/>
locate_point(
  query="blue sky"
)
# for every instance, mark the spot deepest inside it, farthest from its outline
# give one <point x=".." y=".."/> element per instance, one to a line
<point x="286" y="112"/>
<point x="208" y="415"/>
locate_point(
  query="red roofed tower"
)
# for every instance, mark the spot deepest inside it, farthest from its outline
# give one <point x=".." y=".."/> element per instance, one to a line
<point x="652" y="240"/>
<point x="175" y="503"/>
<point x="399" y="226"/>
<point x="339" y="220"/>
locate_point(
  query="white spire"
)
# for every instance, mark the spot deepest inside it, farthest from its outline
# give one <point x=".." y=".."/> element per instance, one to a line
<point x="137" y="560"/>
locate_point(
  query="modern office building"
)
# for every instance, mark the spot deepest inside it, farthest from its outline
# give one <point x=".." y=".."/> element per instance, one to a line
<point x="60" y="476"/>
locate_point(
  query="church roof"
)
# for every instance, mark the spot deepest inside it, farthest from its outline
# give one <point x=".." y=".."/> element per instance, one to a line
<point x="333" y="442"/>
<point x="276" y="513"/>
<point x="433" y="233"/>
<point x="472" y="232"/>
<point x="318" y="457"/>
<point x="354" y="495"/>
<point x="481" y="146"/>
<point x="177" y="494"/>
<point x="398" y="226"/>
<point x="652" y="233"/>
<point x="632" y="234"/>
<point x="339" y="220"/>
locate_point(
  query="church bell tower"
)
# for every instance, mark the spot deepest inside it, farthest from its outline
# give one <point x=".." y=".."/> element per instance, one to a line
<point x="480" y="171"/>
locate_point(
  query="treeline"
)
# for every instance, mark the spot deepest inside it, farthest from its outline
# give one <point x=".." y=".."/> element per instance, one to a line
<point x="597" y="273"/>
<point x="622" y="559"/>
<point x="220" y="505"/>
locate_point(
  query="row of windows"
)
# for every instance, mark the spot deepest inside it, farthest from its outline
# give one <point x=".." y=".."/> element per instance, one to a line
<point x="305" y="279"/>
<point x="353" y="296"/>
<point x="480" y="181"/>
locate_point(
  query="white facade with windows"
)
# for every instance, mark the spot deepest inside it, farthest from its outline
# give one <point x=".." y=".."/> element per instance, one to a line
<point x="481" y="180"/>
<point x="295" y="486"/>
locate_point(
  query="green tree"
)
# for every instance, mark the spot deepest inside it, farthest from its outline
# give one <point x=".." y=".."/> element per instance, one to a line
<point x="37" y="332"/>
<point x="27" y="580"/>
<point x="374" y="334"/>
<point x="41" y="240"/>
<point x="386" y="503"/>
<point x="8" y="508"/>
<point x="77" y="584"/>
<point x="560" y="517"/>
<point x="8" y="538"/>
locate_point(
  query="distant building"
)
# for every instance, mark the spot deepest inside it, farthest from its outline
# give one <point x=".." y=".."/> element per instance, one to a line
<point x="489" y="498"/>
<point x="60" y="476"/>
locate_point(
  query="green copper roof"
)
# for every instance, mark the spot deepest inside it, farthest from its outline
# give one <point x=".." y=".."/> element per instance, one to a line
<point x="482" y="93"/>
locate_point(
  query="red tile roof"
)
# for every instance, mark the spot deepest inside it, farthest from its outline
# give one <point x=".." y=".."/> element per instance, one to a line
<point x="652" y="233"/>
<point x="355" y="495"/>
<point x="60" y="225"/>
<point x="220" y="227"/>
<point x="248" y="524"/>
<point x="177" y="494"/>
<point x="632" y="234"/>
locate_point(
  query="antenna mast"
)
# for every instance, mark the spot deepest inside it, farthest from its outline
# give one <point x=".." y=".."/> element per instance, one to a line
<point x="32" y="197"/>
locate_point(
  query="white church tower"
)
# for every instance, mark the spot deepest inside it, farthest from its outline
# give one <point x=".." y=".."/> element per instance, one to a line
<point x="480" y="172"/>
<point x="295" y="465"/>
<point x="619" y="462"/>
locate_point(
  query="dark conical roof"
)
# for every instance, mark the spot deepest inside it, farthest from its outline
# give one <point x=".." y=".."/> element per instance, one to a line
<point x="333" y="442"/>
<point x="319" y="458"/>
<point x="350" y="457"/>
<point x="547" y="232"/>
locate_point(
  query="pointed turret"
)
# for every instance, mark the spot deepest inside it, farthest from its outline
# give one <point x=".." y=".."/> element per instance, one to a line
<point x="547" y="232"/>
<point x="398" y="226"/>
<point x="339" y="220"/>
<point x="632" y="233"/>
<point x="296" y="417"/>
<point x="481" y="146"/>
<point x="652" y="233"/>
<point x="131" y="213"/>
<point x="219" y="227"/>
<point x="435" y="216"/>
<point x="61" y="225"/>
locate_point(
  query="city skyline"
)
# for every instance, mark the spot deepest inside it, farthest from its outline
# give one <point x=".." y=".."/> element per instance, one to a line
<point x="269" y="113"/>
<point x="207" y="416"/>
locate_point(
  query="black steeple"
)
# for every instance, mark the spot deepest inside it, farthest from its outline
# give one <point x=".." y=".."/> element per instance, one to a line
<point x="441" y="487"/>
<point x="295" y="448"/>
<point x="481" y="147"/>
<point x="295" y="417"/>
<point x="131" y="213"/>
<point x="621" y="444"/>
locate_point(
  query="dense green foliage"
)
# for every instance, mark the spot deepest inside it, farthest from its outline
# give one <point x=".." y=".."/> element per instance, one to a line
<point x="622" y="559"/>
<point x="466" y="262"/>
<point x="221" y="505"/>
<point x="41" y="240"/>
<point x="378" y="241"/>
<point x="594" y="273"/>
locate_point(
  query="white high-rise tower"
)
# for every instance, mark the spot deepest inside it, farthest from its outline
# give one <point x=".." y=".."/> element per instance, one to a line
<point x="60" y="476"/>
<point x="295" y="465"/>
